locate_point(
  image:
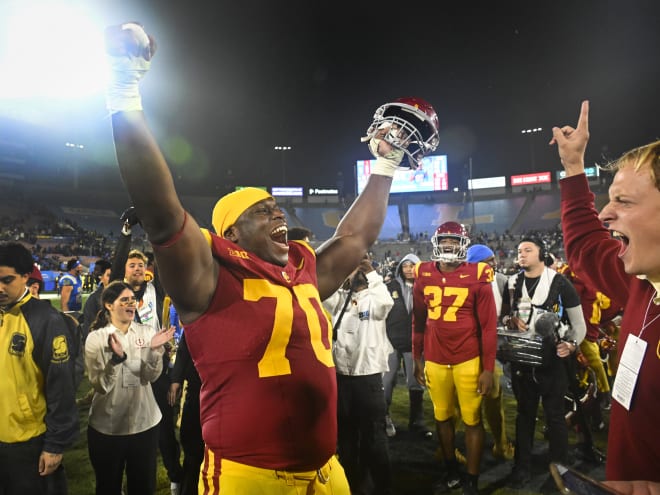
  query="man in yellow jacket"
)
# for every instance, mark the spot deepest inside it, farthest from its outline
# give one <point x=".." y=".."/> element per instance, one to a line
<point x="38" y="415"/>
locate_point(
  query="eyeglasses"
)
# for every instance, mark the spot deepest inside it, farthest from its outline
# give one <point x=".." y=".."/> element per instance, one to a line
<point x="128" y="301"/>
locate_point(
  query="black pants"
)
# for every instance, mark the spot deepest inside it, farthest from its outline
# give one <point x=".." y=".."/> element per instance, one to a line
<point x="56" y="482"/>
<point x="191" y="442"/>
<point x="110" y="454"/>
<point x="550" y="384"/>
<point x="19" y="470"/>
<point x="168" y="445"/>
<point x="362" y="441"/>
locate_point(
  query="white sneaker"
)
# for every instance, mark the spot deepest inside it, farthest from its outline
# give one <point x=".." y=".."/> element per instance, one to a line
<point x="390" y="429"/>
<point x="175" y="488"/>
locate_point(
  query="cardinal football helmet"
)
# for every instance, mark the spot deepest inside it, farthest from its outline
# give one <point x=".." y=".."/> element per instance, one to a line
<point x="450" y="253"/>
<point x="413" y="127"/>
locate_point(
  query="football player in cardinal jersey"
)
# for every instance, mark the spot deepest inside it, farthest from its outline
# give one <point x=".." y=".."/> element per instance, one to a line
<point x="455" y="330"/>
<point x="250" y="300"/>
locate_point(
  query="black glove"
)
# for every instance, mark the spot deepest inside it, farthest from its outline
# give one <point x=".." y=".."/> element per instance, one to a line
<point x="130" y="217"/>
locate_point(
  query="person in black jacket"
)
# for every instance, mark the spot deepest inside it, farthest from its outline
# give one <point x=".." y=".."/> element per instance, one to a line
<point x="93" y="304"/>
<point x="38" y="415"/>
<point x="399" y="331"/>
<point x="190" y="431"/>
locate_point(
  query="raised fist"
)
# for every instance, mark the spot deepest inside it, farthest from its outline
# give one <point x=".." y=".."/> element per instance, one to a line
<point x="129" y="39"/>
<point x="130" y="217"/>
<point x="388" y="155"/>
<point x="365" y="265"/>
<point x="129" y="50"/>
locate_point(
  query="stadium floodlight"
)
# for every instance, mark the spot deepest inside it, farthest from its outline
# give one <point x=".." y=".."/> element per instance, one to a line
<point x="50" y="49"/>
<point x="283" y="149"/>
<point x="534" y="130"/>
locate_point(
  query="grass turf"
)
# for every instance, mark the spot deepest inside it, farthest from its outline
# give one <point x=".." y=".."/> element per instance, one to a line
<point x="414" y="465"/>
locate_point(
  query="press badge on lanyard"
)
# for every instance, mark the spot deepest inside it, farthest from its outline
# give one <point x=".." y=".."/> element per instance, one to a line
<point x="146" y="312"/>
<point x="628" y="371"/>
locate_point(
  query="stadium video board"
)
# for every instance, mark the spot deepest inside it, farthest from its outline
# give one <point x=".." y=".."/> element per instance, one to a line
<point x="487" y="182"/>
<point x="431" y="176"/>
<point x="287" y="191"/>
<point x="238" y="188"/>
<point x="531" y="179"/>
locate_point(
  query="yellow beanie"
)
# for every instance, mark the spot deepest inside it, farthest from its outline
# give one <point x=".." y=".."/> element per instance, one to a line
<point x="228" y="208"/>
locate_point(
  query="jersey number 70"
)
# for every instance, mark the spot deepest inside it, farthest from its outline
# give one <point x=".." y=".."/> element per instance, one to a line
<point x="274" y="361"/>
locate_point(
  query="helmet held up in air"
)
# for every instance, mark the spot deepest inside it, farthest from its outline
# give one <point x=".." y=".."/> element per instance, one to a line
<point x="413" y="126"/>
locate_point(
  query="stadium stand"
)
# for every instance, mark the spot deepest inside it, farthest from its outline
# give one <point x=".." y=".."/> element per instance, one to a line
<point x="59" y="223"/>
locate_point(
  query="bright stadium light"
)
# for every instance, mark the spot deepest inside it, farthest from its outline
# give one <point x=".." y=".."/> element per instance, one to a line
<point x="50" y="49"/>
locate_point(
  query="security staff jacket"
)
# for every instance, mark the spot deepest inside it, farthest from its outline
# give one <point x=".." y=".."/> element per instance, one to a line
<point x="37" y="392"/>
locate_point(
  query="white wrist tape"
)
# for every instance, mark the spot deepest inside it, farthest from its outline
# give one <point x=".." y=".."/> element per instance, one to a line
<point x="388" y="164"/>
<point x="123" y="92"/>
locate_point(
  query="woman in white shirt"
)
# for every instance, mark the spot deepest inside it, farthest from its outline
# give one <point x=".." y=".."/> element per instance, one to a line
<point x="122" y="357"/>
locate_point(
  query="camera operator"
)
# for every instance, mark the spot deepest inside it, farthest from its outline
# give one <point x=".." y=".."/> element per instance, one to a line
<point x="538" y="289"/>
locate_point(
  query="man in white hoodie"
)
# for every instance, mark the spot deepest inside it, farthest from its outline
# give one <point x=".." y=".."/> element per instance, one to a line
<point x="360" y="352"/>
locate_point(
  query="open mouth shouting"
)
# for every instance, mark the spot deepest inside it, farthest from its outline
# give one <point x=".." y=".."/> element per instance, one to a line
<point x="625" y="242"/>
<point x="278" y="235"/>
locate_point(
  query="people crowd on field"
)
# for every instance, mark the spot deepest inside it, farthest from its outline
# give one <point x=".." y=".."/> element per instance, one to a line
<point x="389" y="269"/>
<point x="392" y="358"/>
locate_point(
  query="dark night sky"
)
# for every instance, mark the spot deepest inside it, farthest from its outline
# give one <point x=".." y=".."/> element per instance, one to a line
<point x="234" y="79"/>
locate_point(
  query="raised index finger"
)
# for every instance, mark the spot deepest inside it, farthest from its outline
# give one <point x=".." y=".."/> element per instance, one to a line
<point x="583" y="121"/>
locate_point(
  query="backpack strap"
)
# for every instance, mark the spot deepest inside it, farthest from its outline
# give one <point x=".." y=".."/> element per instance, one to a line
<point x="341" y="314"/>
<point x="515" y="292"/>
